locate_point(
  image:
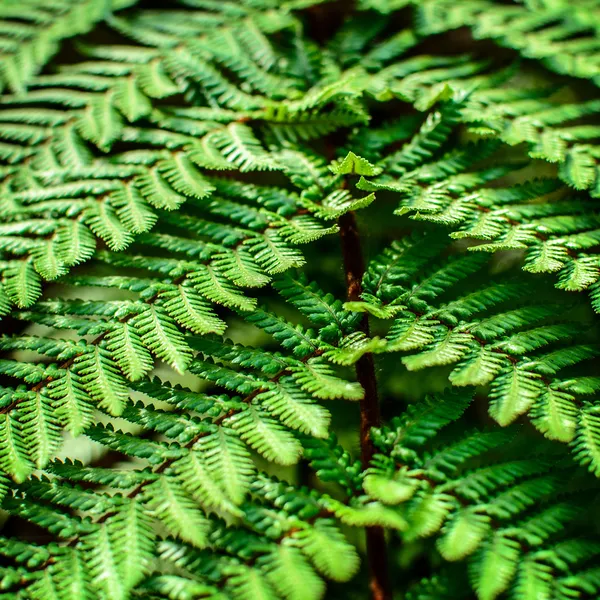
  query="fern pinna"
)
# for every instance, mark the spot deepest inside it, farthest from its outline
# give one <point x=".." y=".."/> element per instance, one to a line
<point x="299" y="300"/>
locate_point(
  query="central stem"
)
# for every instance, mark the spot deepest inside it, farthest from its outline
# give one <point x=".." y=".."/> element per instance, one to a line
<point x="369" y="406"/>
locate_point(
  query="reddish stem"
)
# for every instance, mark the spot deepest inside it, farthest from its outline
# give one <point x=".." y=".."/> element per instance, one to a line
<point x="354" y="268"/>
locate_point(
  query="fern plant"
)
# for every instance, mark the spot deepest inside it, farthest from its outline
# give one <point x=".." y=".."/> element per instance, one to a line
<point x="299" y="300"/>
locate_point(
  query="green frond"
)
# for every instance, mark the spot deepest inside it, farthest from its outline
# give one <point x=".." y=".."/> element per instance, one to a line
<point x="500" y="515"/>
<point x="557" y="231"/>
<point x="542" y="33"/>
<point x="505" y="349"/>
<point x="176" y="371"/>
<point x="120" y="551"/>
<point x="33" y="35"/>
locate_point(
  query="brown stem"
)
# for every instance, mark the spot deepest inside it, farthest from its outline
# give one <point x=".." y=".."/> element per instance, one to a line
<point x="369" y="406"/>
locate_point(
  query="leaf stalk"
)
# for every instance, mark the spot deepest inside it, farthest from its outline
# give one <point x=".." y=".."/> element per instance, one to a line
<point x="354" y="268"/>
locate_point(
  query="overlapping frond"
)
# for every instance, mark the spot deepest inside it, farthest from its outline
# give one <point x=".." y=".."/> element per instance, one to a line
<point x="512" y="335"/>
<point x="116" y="543"/>
<point x="65" y="185"/>
<point x="120" y="340"/>
<point x="31" y="33"/>
<point x="561" y="36"/>
<point x="518" y="520"/>
<point x="462" y="189"/>
<point x="263" y="401"/>
<point x="556" y="129"/>
<point x="163" y="192"/>
<point x="67" y="192"/>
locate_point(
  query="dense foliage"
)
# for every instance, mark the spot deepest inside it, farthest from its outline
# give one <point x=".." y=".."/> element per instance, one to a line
<point x="299" y="299"/>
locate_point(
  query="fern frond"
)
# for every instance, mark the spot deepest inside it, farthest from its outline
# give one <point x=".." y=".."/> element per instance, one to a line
<point x="502" y="515"/>
<point x="176" y="372"/>
<point x="544" y="33"/>
<point x="33" y="35"/>
<point x="519" y="351"/>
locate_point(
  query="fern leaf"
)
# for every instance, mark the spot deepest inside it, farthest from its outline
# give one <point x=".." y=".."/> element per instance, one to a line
<point x="14" y="458"/>
<point x="266" y="436"/>
<point x="295" y="410"/>
<point x="22" y="284"/>
<point x="184" y="177"/>
<point x="160" y="335"/>
<point x="101" y="379"/>
<point x="101" y="123"/>
<point x="191" y="311"/>
<point x="131" y="101"/>
<point x="215" y="287"/>
<point x="513" y="394"/>
<point x="329" y="551"/>
<point x="233" y="470"/>
<point x="120" y="552"/>
<point x="131" y="209"/>
<point x="500" y="558"/>
<point x="75" y="407"/>
<point x="103" y="221"/>
<point x="157" y="191"/>
<point x="125" y="345"/>
<point x="169" y="503"/>
<point x="292" y="576"/>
